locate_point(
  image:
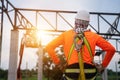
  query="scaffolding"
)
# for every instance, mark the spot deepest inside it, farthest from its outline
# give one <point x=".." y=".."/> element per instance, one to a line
<point x="104" y="24"/>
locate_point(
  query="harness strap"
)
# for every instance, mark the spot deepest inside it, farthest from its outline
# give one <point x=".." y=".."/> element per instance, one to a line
<point x="80" y="37"/>
<point x="86" y="43"/>
<point x="81" y="70"/>
<point x="71" y="49"/>
<point x="79" y="49"/>
<point x="88" y="47"/>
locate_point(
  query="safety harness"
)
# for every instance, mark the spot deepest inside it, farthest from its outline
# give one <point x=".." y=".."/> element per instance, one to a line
<point x="79" y="49"/>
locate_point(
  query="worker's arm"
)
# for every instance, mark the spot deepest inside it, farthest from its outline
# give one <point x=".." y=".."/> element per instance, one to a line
<point x="50" y="48"/>
<point x="108" y="48"/>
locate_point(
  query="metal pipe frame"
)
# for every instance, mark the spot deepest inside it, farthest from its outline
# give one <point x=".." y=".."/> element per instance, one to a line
<point x="20" y="22"/>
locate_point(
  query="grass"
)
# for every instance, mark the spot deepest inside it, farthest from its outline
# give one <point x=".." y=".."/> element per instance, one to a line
<point x="35" y="78"/>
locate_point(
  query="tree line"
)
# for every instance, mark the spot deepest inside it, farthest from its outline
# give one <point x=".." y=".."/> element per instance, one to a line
<point x="50" y="70"/>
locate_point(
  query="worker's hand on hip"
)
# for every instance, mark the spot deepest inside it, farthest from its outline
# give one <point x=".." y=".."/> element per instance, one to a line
<point x="62" y="67"/>
<point x="100" y="68"/>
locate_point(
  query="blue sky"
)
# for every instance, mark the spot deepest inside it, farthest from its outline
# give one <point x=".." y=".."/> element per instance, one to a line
<point x="111" y="6"/>
<point x="91" y="5"/>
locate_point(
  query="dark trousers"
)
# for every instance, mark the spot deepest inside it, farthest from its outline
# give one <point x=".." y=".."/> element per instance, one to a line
<point x="74" y="75"/>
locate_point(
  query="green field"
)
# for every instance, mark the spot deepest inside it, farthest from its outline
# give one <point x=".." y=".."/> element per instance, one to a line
<point x="35" y="78"/>
<point x="32" y="75"/>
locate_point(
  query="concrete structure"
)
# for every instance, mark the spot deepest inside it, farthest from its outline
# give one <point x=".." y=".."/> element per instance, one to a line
<point x="40" y="62"/>
<point x="13" y="59"/>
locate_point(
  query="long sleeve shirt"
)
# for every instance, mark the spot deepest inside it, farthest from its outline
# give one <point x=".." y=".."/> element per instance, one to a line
<point x="66" y="39"/>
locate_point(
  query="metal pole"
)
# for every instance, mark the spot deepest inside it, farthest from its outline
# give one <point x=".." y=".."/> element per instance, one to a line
<point x="26" y="70"/>
<point x="104" y="75"/>
<point x="116" y="71"/>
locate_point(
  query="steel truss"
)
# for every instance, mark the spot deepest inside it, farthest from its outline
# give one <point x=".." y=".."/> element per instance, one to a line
<point x="105" y="24"/>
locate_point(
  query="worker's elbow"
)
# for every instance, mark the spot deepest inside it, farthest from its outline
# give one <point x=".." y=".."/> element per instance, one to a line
<point x="47" y="48"/>
<point x="112" y="50"/>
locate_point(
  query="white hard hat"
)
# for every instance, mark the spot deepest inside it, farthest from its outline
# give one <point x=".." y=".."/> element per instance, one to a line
<point x="83" y="15"/>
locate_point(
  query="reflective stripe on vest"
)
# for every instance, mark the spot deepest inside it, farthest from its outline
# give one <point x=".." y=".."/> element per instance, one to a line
<point x="78" y="71"/>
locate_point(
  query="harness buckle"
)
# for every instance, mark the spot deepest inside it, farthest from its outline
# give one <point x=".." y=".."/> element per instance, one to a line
<point x="78" y="45"/>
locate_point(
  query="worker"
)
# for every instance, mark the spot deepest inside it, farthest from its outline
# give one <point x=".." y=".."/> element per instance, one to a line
<point x="67" y="39"/>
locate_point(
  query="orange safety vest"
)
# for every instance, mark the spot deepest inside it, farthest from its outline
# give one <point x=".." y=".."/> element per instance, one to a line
<point x="66" y="39"/>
